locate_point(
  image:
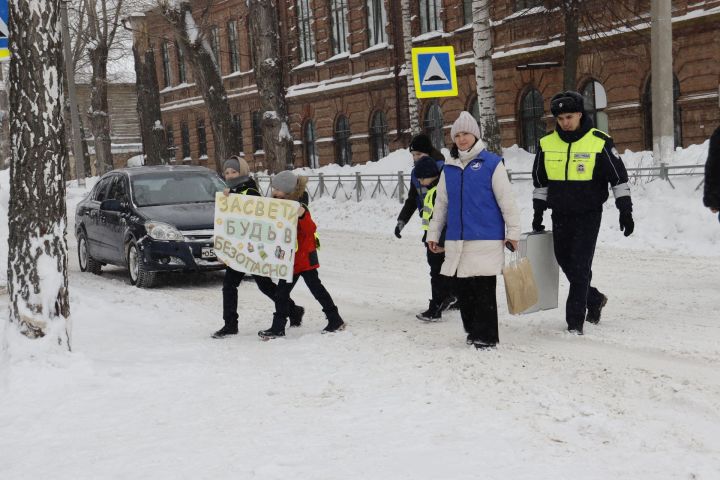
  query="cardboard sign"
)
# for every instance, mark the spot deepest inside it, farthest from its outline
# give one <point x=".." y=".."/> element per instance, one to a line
<point x="256" y="235"/>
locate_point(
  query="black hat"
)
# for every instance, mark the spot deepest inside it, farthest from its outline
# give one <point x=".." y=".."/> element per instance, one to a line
<point x="421" y="143"/>
<point x="426" y="167"/>
<point x="567" y="102"/>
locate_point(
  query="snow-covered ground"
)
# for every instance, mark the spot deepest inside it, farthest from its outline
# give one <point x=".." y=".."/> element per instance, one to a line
<point x="147" y="393"/>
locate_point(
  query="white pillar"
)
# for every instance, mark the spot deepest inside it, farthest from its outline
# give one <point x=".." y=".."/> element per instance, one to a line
<point x="662" y="81"/>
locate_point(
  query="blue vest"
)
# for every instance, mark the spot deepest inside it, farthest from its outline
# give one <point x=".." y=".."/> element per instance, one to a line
<point x="473" y="213"/>
<point x="422" y="191"/>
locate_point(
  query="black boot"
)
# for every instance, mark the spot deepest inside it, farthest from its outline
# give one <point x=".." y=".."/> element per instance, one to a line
<point x="296" y="316"/>
<point x="276" y="330"/>
<point x="593" y="312"/>
<point x="432" y="314"/>
<point x="228" y="329"/>
<point x="335" y="323"/>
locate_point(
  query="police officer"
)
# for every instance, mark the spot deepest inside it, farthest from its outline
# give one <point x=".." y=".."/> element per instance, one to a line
<point x="573" y="167"/>
<point x="711" y="198"/>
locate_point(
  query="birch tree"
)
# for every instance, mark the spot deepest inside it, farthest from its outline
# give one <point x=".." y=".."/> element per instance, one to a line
<point x="407" y="42"/>
<point x="482" y="48"/>
<point x="264" y="29"/>
<point x="192" y="39"/>
<point x="37" y="256"/>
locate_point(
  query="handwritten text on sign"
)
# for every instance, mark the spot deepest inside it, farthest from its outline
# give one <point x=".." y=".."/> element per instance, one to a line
<point x="256" y="235"/>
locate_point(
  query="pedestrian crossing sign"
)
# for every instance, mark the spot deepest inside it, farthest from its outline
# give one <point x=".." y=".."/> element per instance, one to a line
<point x="4" y="30"/>
<point x="434" y="72"/>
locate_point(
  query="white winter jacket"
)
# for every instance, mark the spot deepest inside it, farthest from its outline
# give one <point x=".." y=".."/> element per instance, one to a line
<point x="472" y="258"/>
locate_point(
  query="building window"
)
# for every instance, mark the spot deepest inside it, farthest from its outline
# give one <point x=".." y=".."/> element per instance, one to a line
<point x="475" y="110"/>
<point x="169" y="134"/>
<point x="181" y="64"/>
<point x="524" y="4"/>
<point x="677" y="114"/>
<point x="251" y="48"/>
<point x="378" y="137"/>
<point x="309" y="137"/>
<point x="201" y="138"/>
<point x="233" y="46"/>
<point x="430" y="15"/>
<point x="237" y="131"/>
<point x="338" y="13"/>
<point x="532" y="126"/>
<point x="467" y="11"/>
<point x="215" y="45"/>
<point x="343" y="148"/>
<point x="166" y="63"/>
<point x="185" y="138"/>
<point x="377" y="19"/>
<point x="434" y="125"/>
<point x="307" y="37"/>
<point x="595" y="100"/>
<point x="257" y="130"/>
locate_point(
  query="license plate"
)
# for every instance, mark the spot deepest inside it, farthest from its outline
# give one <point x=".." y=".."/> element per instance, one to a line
<point x="207" y="252"/>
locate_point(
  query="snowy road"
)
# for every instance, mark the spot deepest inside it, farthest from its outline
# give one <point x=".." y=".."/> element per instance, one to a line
<point x="148" y="394"/>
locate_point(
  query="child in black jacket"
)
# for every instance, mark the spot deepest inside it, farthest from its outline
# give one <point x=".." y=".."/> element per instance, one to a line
<point x="238" y="180"/>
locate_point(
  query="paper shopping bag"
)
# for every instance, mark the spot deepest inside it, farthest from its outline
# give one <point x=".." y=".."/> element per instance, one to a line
<point x="520" y="287"/>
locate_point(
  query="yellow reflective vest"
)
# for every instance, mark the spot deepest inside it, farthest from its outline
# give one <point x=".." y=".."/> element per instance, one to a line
<point x="428" y="205"/>
<point x="571" y="161"/>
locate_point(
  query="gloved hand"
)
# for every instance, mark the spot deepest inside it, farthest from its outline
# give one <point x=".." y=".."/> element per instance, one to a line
<point x="627" y="224"/>
<point x="398" y="228"/>
<point x="537" y="223"/>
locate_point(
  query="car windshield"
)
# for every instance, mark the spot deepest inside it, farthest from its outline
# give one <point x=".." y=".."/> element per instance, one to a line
<point x="170" y="188"/>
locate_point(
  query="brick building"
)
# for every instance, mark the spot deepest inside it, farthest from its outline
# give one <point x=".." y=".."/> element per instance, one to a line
<point x="346" y="87"/>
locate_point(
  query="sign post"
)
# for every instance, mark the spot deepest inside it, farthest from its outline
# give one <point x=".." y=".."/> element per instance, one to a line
<point x="434" y="72"/>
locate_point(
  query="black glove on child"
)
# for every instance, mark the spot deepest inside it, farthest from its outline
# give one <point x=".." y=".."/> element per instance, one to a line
<point x="627" y="225"/>
<point x="398" y="228"/>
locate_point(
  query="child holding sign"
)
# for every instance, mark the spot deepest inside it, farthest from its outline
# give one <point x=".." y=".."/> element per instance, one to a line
<point x="286" y="185"/>
<point x="238" y="180"/>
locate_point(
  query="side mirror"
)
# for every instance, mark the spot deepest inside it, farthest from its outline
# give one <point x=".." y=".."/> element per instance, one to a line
<point x="112" y="205"/>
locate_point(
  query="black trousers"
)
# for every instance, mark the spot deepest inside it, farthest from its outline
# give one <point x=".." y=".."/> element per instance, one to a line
<point x="440" y="286"/>
<point x="575" y="236"/>
<point x="478" y="307"/>
<point x="230" y="293"/>
<point x="283" y="303"/>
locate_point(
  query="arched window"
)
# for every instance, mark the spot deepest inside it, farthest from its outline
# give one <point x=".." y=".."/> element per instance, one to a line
<point x="475" y="110"/>
<point x="343" y="148"/>
<point x="677" y="113"/>
<point x="309" y="136"/>
<point x="532" y="124"/>
<point x="378" y="137"/>
<point x="595" y="102"/>
<point x="434" y="125"/>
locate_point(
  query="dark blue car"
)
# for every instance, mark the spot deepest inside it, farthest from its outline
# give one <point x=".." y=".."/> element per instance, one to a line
<point x="149" y="219"/>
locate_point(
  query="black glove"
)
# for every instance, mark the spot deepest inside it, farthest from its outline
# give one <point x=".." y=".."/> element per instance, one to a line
<point x="627" y="224"/>
<point x="398" y="228"/>
<point x="537" y="223"/>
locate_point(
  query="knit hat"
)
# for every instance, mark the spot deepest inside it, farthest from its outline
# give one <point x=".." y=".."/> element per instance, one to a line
<point x="421" y="143"/>
<point x="567" y="102"/>
<point x="285" y="181"/>
<point x="238" y="164"/>
<point x="426" y="167"/>
<point x="465" y="123"/>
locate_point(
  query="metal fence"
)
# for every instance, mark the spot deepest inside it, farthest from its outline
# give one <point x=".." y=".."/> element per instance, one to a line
<point x="360" y="187"/>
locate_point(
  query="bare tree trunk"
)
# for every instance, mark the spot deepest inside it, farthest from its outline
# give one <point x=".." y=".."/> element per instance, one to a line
<point x="98" y="111"/>
<point x="482" y="46"/>
<point x="407" y="42"/>
<point x="207" y="77"/>
<point x="153" y="134"/>
<point x="277" y="139"/>
<point x="37" y="266"/>
<point x="571" y="10"/>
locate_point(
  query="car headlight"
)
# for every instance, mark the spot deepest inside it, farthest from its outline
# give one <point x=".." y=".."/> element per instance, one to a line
<point x="163" y="231"/>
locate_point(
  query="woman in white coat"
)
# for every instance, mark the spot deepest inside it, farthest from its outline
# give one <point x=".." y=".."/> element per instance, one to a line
<point x="476" y="202"/>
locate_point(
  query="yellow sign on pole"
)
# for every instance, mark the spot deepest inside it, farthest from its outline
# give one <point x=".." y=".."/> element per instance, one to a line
<point x="434" y="72"/>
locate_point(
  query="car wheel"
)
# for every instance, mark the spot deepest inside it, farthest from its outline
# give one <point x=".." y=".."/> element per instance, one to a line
<point x="87" y="263"/>
<point x="138" y="274"/>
